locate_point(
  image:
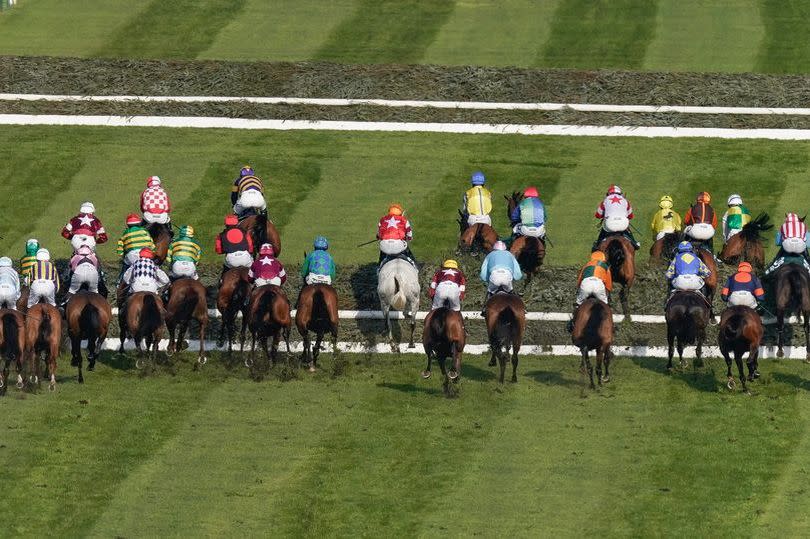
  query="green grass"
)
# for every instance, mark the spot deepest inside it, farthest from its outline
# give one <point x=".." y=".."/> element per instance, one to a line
<point x="377" y="448"/>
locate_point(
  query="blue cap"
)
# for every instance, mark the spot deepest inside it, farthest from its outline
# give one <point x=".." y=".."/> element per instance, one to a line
<point x="478" y="178"/>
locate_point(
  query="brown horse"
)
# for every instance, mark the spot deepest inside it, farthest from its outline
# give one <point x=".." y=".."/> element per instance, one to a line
<point x="687" y="315"/>
<point x="162" y="236"/>
<point x="528" y="250"/>
<point x="621" y="257"/>
<point x="444" y="337"/>
<point x="262" y="230"/>
<point x="142" y="319"/>
<point x="88" y="317"/>
<point x="477" y="238"/>
<point x="268" y="317"/>
<point x="711" y="281"/>
<point x="663" y="250"/>
<point x="12" y="345"/>
<point x="746" y="246"/>
<point x="505" y="315"/>
<point x="792" y="296"/>
<point x="232" y="299"/>
<point x="740" y="332"/>
<point x="317" y="311"/>
<point x="187" y="300"/>
<point x="43" y="335"/>
<point x="593" y="330"/>
<point x="22" y="303"/>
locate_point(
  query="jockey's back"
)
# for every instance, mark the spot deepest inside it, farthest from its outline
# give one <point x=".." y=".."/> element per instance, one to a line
<point x="478" y="200"/>
<point x="394" y="227"/>
<point x="46" y="271"/>
<point x="500" y="259"/>
<point x="532" y="211"/>
<point x="135" y="237"/>
<point x="9" y="276"/>
<point x="319" y="262"/>
<point x="246" y="183"/>
<point x="599" y="269"/>
<point x="184" y="249"/>
<point x="701" y="212"/>
<point x="614" y="205"/>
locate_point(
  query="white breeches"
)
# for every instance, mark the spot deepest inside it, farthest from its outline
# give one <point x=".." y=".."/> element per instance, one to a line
<point x="687" y="282"/>
<point x="261" y="282"/>
<point x="317" y="278"/>
<point x="532" y="231"/>
<point x="591" y="287"/>
<point x="742" y="297"/>
<point x="80" y="240"/>
<point x="249" y="200"/>
<point x="447" y="291"/>
<point x="794" y="246"/>
<point x="500" y="278"/>
<point x="238" y="259"/>
<point x="393" y="247"/>
<point x="160" y="218"/>
<point x="8" y="296"/>
<point x="84" y="273"/>
<point x="479" y="219"/>
<point x="42" y="289"/>
<point x="700" y="231"/>
<point x="144" y="284"/>
<point x="184" y="268"/>
<point x="615" y="223"/>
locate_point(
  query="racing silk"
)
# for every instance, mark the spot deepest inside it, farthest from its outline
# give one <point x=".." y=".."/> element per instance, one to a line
<point x="614" y="205"/>
<point x="700" y="212"/>
<point x="243" y="184"/>
<point x="232" y="240"/>
<point x="267" y="268"/>
<point x="793" y="227"/>
<point x="135" y="237"/>
<point x="86" y="224"/>
<point x="598" y="269"/>
<point x="743" y="281"/>
<point x="320" y="263"/>
<point x="687" y="264"/>
<point x="155" y="200"/>
<point x="145" y="268"/>
<point x="77" y="259"/>
<point x="478" y="201"/>
<point x="184" y="249"/>
<point x="451" y="275"/>
<point x="26" y="263"/>
<point x="394" y="227"/>
<point x="530" y="212"/>
<point x="44" y="269"/>
<point x="666" y="221"/>
<point x="500" y="259"/>
<point x="9" y="276"/>
<point x="735" y="218"/>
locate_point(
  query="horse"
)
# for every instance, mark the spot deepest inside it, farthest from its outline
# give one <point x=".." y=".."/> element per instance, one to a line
<point x="687" y="315"/>
<point x="792" y="296"/>
<point x="444" y="336"/>
<point x="477" y="238"/>
<point x="746" y="246"/>
<point x="740" y="331"/>
<point x="88" y="317"/>
<point x="528" y="250"/>
<point x="262" y="230"/>
<point x="162" y="237"/>
<point x="232" y="299"/>
<point x="22" y="302"/>
<point x="317" y="311"/>
<point x="505" y="316"/>
<point x="187" y="300"/>
<point x="663" y="250"/>
<point x="12" y="345"/>
<point x="621" y="257"/>
<point x="593" y="330"/>
<point x="142" y="318"/>
<point x="398" y="289"/>
<point x="711" y="281"/>
<point x="43" y="335"/>
<point x="268" y="316"/>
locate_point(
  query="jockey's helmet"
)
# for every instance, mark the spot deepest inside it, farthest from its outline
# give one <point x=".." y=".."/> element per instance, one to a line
<point x="614" y="190"/>
<point x="187" y="231"/>
<point x="499" y="246"/>
<point x="598" y="256"/>
<point x="246" y="170"/>
<point x="267" y="249"/>
<point x="450" y="263"/>
<point x="665" y="203"/>
<point x="478" y="178"/>
<point x="531" y="191"/>
<point x="395" y="209"/>
<point x="685" y="247"/>
<point x="133" y="219"/>
<point x="734" y="199"/>
<point x="320" y="243"/>
<point x="231" y="220"/>
<point x="745" y="267"/>
<point x="43" y="255"/>
<point x="32" y="246"/>
<point x="87" y="207"/>
<point x="5" y="262"/>
<point x="704" y="197"/>
<point x="152" y="181"/>
<point x="146" y="253"/>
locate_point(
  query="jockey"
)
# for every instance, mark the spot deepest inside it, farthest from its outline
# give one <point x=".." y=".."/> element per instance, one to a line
<point x="134" y="238"/>
<point x="529" y="217"/>
<point x="84" y="268"/>
<point x="477" y="201"/>
<point x="44" y="280"/>
<point x="29" y="259"/>
<point x="394" y="232"/>
<point x="735" y="218"/>
<point x="687" y="271"/>
<point x="792" y="239"/>
<point x="184" y="255"/>
<point x="267" y="269"/>
<point x="665" y="221"/>
<point x="615" y="212"/>
<point x="234" y="244"/>
<point x="247" y="194"/>
<point x="144" y="275"/>
<point x="499" y="269"/>
<point x="155" y="204"/>
<point x="318" y="265"/>
<point x="701" y="221"/>
<point x="594" y="279"/>
<point x="85" y="228"/>
<point x="448" y="285"/>
<point x="743" y="288"/>
<point x="9" y="284"/>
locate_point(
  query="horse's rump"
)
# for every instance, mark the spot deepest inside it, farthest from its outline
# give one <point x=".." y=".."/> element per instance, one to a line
<point x="597" y="330"/>
<point x="12" y="329"/>
<point x="398" y="284"/>
<point x="687" y="313"/>
<point x="89" y="321"/>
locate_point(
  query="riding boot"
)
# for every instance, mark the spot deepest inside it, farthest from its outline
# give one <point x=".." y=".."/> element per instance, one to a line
<point x="629" y="235"/>
<point x="569" y="327"/>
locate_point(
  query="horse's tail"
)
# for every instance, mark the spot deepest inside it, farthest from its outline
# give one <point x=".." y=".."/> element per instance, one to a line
<point x="506" y="327"/>
<point x="399" y="299"/>
<point x="438" y="322"/>
<point x="150" y="318"/>
<point x="11" y="337"/>
<point x="615" y="255"/>
<point x="89" y="321"/>
<point x="798" y="284"/>
<point x="752" y="230"/>
<point x="733" y="329"/>
<point x="186" y="305"/>
<point x="239" y="295"/>
<point x="44" y="326"/>
<point x="260" y="230"/>
<point x="320" y="311"/>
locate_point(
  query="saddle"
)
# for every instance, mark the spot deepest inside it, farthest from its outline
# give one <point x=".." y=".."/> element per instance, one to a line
<point x="250" y="212"/>
<point x="401" y="256"/>
<point x="674" y="292"/>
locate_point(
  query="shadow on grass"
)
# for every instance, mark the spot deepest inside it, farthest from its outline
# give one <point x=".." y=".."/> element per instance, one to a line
<point x="478" y="374"/>
<point x="702" y="379"/>
<point x="114" y="360"/>
<point x="413" y="388"/>
<point x="364" y="289"/>
<point x="551" y="378"/>
<point x="792" y="379"/>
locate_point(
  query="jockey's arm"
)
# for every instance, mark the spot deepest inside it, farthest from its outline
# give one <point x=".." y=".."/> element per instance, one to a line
<point x="462" y="285"/>
<point x="714" y="220"/>
<point x="676" y="222"/>
<point x="305" y="267"/>
<point x="516" y="273"/>
<point x="119" y="250"/>
<point x="629" y="211"/>
<point x="56" y="281"/>
<point x="332" y="268"/>
<point x="759" y="292"/>
<point x="127" y="277"/>
<point x="66" y="231"/>
<point x="600" y="211"/>
<point x="234" y="192"/>
<point x="161" y="276"/>
<point x="703" y="270"/>
<point x="725" y="224"/>
<point x="218" y="245"/>
<point x="778" y="238"/>
<point x="608" y="280"/>
<point x="670" y="273"/>
<point x="485" y="270"/>
<point x="282" y="274"/>
<point x="515" y="216"/>
<point x="251" y="247"/>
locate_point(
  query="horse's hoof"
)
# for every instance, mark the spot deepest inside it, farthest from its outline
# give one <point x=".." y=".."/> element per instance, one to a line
<point x="74" y="362"/>
<point x="91" y="366"/>
<point x="312" y="368"/>
<point x="756" y="374"/>
<point x="202" y="360"/>
<point x="606" y="379"/>
<point x="411" y="345"/>
<point x="81" y="379"/>
<point x="731" y="384"/>
<point x="139" y="363"/>
<point x="33" y="379"/>
<point x="2" y="383"/>
<point x="453" y="375"/>
<point x="248" y="363"/>
<point x="426" y="374"/>
<point x="492" y="362"/>
<point x="780" y="353"/>
<point x="52" y="387"/>
<point x="20" y="385"/>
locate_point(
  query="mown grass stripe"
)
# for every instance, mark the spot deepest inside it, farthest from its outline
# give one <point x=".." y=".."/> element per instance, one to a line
<point x="785" y="48"/>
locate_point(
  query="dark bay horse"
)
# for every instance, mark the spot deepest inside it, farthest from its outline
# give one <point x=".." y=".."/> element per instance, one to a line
<point x="792" y="296"/>
<point x="740" y="332"/>
<point x="268" y="317"/>
<point x="444" y="337"/>
<point x="88" y="317"/>
<point x="232" y="299"/>
<point x="711" y="281"/>
<point x="43" y="335"/>
<point x="317" y="311"/>
<point x="593" y="330"/>
<point x="687" y="315"/>
<point x="662" y="251"/>
<point x="505" y="316"/>
<point x="142" y="318"/>
<point x="746" y="246"/>
<point x="162" y="236"/>
<point x="262" y="230"/>
<point x="621" y="257"/>
<point x="187" y="301"/>
<point x="477" y="238"/>
<point x="12" y="345"/>
<point x="528" y="250"/>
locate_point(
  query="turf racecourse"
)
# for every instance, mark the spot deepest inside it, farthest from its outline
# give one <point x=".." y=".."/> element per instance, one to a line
<point x="376" y="449"/>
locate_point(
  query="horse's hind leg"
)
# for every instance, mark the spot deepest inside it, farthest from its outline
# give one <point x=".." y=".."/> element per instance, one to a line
<point x="681" y="361"/>
<point x="671" y="348"/>
<point x="753" y="357"/>
<point x="76" y="352"/>
<point x="426" y="372"/>
<point x="585" y="366"/>
<point x="502" y="355"/>
<point x="307" y="355"/>
<point x="738" y="360"/>
<point x="201" y="360"/>
<point x="514" y="364"/>
<point x="53" y="354"/>
<point x="780" y="330"/>
<point x="806" y="316"/>
<point x="608" y="356"/>
<point x="4" y="378"/>
<point x="316" y="350"/>
<point x="413" y="326"/>
<point x="730" y="384"/>
<point x="624" y="294"/>
<point x="600" y="359"/>
<point x="172" y="347"/>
